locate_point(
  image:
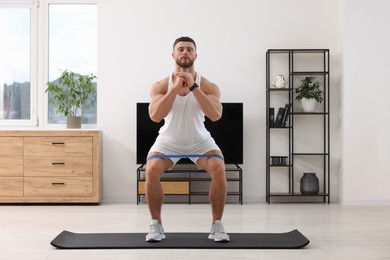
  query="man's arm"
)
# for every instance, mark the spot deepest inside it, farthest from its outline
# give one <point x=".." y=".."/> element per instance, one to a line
<point x="162" y="98"/>
<point x="208" y="98"/>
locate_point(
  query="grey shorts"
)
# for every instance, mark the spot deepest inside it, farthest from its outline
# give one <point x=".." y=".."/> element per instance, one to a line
<point x="168" y="148"/>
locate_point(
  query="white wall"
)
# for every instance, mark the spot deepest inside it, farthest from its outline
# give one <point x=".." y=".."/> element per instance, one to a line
<point x="366" y="106"/>
<point x="135" y="39"/>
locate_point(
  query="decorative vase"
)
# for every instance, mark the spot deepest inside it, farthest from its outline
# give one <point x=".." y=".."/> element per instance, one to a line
<point x="73" y="122"/>
<point x="310" y="184"/>
<point x="308" y="105"/>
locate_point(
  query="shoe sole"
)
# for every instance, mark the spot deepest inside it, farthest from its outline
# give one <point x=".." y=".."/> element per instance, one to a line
<point x="211" y="237"/>
<point x="222" y="240"/>
<point x="155" y="239"/>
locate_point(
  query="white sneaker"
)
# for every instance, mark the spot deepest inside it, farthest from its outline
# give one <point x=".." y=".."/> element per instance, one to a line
<point x="156" y="232"/>
<point x="217" y="232"/>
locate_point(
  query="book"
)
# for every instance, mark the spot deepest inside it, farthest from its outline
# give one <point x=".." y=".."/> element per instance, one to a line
<point x="285" y="115"/>
<point x="279" y="117"/>
<point x="271" y="117"/>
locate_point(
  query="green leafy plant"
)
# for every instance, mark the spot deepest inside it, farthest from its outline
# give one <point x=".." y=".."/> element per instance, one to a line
<point x="310" y="88"/>
<point x="70" y="92"/>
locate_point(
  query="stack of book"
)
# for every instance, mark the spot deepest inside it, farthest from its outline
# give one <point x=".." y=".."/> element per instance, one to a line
<point x="281" y="117"/>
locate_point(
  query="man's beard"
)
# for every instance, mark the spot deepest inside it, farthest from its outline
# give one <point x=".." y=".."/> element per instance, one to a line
<point x="185" y="65"/>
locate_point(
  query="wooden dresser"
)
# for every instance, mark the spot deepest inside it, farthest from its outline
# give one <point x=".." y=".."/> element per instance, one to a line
<point x="50" y="166"/>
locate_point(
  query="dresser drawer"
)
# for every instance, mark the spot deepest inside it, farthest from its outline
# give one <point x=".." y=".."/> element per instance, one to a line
<point x="169" y="187"/>
<point x="58" y="166"/>
<point x="11" y="146"/>
<point x="11" y="186"/>
<point x="11" y="167"/>
<point x="58" y="146"/>
<point x="50" y="186"/>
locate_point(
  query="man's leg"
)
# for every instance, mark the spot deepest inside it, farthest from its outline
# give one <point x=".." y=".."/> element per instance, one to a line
<point x="153" y="187"/>
<point x="218" y="191"/>
<point x="155" y="196"/>
<point x="218" y="187"/>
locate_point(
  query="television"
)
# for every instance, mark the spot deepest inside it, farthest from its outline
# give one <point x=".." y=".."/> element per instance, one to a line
<point x="227" y="132"/>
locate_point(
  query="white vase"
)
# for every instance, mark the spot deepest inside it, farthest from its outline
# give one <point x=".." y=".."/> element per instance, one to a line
<point x="73" y="122"/>
<point x="308" y="105"/>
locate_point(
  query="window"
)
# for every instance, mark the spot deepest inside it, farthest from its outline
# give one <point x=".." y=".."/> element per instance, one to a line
<point x="72" y="40"/>
<point x="17" y="84"/>
<point x="43" y="38"/>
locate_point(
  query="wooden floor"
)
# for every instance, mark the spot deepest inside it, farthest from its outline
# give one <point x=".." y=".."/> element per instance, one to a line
<point x="335" y="231"/>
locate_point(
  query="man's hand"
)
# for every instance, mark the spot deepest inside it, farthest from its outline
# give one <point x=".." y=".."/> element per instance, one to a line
<point x="187" y="77"/>
<point x="179" y="83"/>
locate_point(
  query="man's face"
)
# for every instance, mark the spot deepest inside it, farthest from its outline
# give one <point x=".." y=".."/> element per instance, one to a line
<point x="184" y="54"/>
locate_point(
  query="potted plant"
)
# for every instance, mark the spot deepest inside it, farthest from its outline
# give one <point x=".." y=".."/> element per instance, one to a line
<point x="309" y="93"/>
<point x="70" y="92"/>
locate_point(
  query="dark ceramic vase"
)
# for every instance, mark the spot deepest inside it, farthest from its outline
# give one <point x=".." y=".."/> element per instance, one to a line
<point x="310" y="184"/>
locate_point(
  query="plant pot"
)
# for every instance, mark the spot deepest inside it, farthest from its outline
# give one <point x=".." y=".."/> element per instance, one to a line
<point x="73" y="122"/>
<point x="308" y="105"/>
<point x="310" y="184"/>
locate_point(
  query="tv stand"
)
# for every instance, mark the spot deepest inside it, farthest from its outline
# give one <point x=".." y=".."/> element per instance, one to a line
<point x="186" y="180"/>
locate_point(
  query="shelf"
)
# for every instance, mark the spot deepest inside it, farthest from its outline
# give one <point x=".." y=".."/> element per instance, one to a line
<point x="286" y="51"/>
<point x="207" y="193"/>
<point x="297" y="63"/>
<point x="309" y="153"/>
<point x="280" y="194"/>
<point x="287" y="165"/>
<point x="304" y="73"/>
<point x="309" y="113"/>
<point x="186" y="179"/>
<point x="192" y="168"/>
<point x="188" y="174"/>
<point x="167" y="179"/>
<point x="279" y="89"/>
<point x="209" y="179"/>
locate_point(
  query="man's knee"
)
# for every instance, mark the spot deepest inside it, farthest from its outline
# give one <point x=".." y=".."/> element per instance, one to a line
<point x="216" y="168"/>
<point x="154" y="170"/>
<point x="156" y="167"/>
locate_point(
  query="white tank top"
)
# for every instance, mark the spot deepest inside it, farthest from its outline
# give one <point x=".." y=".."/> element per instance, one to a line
<point x="184" y="124"/>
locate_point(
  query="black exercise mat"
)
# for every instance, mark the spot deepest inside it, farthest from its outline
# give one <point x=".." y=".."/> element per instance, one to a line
<point x="289" y="240"/>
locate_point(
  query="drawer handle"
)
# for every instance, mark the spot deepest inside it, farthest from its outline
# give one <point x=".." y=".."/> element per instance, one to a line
<point x="58" y="143"/>
<point x="58" y="183"/>
<point x="57" y="163"/>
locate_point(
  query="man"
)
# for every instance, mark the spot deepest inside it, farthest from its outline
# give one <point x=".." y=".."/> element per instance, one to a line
<point x="183" y="99"/>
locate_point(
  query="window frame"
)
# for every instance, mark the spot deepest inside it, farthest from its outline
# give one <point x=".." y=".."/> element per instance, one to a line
<point x="33" y="121"/>
<point x="45" y="103"/>
<point x="39" y="63"/>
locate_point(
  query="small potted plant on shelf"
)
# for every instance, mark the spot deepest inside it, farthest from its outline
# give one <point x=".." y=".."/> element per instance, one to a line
<point x="71" y="92"/>
<point x="309" y="93"/>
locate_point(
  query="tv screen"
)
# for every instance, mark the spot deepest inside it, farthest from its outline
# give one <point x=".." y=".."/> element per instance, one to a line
<point x="227" y="132"/>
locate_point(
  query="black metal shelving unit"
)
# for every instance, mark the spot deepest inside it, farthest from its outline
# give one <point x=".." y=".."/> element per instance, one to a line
<point x="322" y="71"/>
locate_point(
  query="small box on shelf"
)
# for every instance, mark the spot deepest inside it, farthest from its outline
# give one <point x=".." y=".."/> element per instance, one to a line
<point x="281" y="118"/>
<point x="279" y="160"/>
<point x="271" y="118"/>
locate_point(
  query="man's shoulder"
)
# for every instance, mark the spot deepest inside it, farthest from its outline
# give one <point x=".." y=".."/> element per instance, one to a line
<point x="162" y="83"/>
<point x="207" y="83"/>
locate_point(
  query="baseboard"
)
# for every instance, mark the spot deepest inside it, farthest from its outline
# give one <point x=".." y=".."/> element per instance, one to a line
<point x="363" y="202"/>
<point x="119" y="199"/>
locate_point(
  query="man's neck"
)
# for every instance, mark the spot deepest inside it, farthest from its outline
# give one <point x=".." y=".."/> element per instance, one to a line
<point x="189" y="70"/>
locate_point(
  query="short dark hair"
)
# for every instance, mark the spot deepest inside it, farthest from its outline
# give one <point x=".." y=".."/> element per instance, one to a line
<point x="184" y="39"/>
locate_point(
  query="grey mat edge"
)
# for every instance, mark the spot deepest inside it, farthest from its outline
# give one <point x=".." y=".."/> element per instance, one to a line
<point x="70" y="240"/>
